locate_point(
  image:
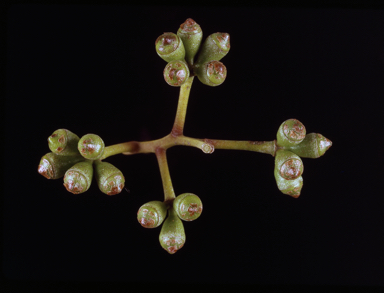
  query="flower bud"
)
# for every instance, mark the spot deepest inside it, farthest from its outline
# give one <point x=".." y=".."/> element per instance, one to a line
<point x="188" y="206"/>
<point x="91" y="146"/>
<point x="215" y="47"/>
<point x="172" y="235"/>
<point x="290" y="187"/>
<point x="291" y="132"/>
<point x="109" y="179"/>
<point x="78" y="178"/>
<point x="170" y="47"/>
<point x="191" y="35"/>
<point x="289" y="165"/>
<point x="152" y="214"/>
<point x="63" y="142"/>
<point x="53" y="166"/>
<point x="313" y="146"/>
<point x="176" y="73"/>
<point x="211" y="73"/>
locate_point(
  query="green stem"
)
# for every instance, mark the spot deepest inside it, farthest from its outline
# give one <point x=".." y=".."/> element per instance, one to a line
<point x="125" y="147"/>
<point x="169" y="194"/>
<point x="185" y="89"/>
<point x="266" y="147"/>
<point x="194" y="142"/>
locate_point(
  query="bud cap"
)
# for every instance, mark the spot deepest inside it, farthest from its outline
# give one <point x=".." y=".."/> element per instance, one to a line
<point x="152" y="214"/>
<point x="191" y="35"/>
<point x="291" y="132"/>
<point x="170" y="47"/>
<point x="78" y="178"/>
<point x="288" y="164"/>
<point x="212" y="73"/>
<point x="91" y="146"/>
<point x="314" y="145"/>
<point x="289" y="187"/>
<point x="109" y="179"/>
<point x="188" y="206"/>
<point x="53" y="166"/>
<point x="176" y="73"/>
<point x="172" y="234"/>
<point x="63" y="142"/>
<point x="215" y="47"/>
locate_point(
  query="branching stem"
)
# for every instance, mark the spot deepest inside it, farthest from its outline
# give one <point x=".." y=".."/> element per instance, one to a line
<point x="176" y="137"/>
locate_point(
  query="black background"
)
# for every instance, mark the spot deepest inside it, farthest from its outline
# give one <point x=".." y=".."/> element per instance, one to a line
<point x="94" y="69"/>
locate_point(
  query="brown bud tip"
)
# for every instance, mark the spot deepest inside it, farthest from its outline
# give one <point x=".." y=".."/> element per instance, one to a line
<point x="91" y="146"/>
<point x="176" y="73"/>
<point x="172" y="234"/>
<point x="190" y="26"/>
<point x="114" y="184"/>
<point x="216" y="72"/>
<point x="291" y="169"/>
<point x="78" y="178"/>
<point x="45" y="168"/>
<point x="152" y="214"/>
<point x="324" y="144"/>
<point x="74" y="182"/>
<point x="222" y="41"/>
<point x="188" y="206"/>
<point x="53" y="166"/>
<point x="294" y="130"/>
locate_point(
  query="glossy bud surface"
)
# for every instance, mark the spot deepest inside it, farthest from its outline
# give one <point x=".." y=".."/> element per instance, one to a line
<point x="170" y="47"/>
<point x="188" y="206"/>
<point x="215" y="47"/>
<point x="152" y="214"/>
<point x="291" y="132"/>
<point x="109" y="179"/>
<point x="288" y="164"/>
<point x="53" y="166"/>
<point x="91" y="146"/>
<point x="172" y="235"/>
<point x="176" y="73"/>
<point x="191" y="35"/>
<point x="313" y="146"/>
<point x="212" y="73"/>
<point x="63" y="142"/>
<point x="78" y="178"/>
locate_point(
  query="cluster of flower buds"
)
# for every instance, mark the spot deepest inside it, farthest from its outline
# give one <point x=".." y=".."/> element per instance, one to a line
<point x="78" y="160"/>
<point x="180" y="50"/>
<point x="186" y="206"/>
<point x="293" y="143"/>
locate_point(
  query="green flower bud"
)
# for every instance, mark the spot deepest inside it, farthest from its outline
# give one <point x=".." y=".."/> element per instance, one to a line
<point x="170" y="47"/>
<point x="78" y="178"/>
<point x="289" y="165"/>
<point x="176" y="73"/>
<point x="152" y="214"/>
<point x="291" y="132"/>
<point x="91" y="146"/>
<point x="172" y="235"/>
<point x="215" y="47"/>
<point x="63" y="142"/>
<point x="109" y="179"/>
<point x="314" y="145"/>
<point x="290" y="187"/>
<point x="191" y="35"/>
<point x="211" y="73"/>
<point x="53" y="166"/>
<point x="188" y="206"/>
